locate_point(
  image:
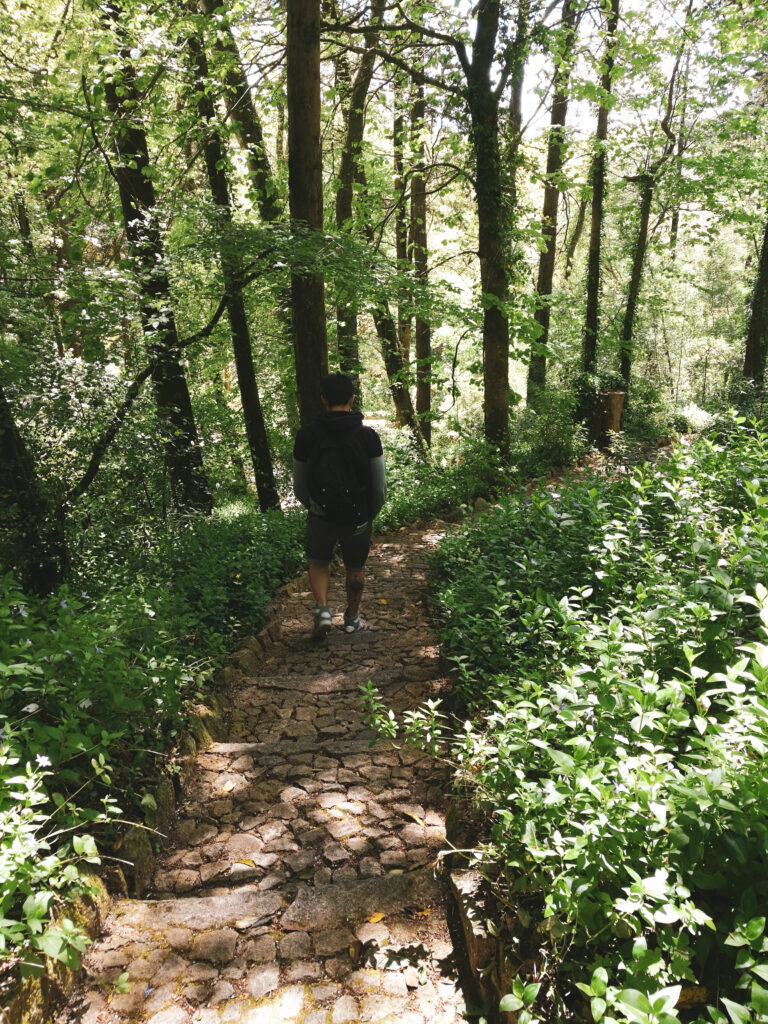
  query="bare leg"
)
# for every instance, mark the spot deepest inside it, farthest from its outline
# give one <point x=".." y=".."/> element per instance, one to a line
<point x="319" y="580"/>
<point x="355" y="584"/>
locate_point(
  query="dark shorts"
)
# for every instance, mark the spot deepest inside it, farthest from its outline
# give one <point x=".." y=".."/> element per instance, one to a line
<point x="323" y="535"/>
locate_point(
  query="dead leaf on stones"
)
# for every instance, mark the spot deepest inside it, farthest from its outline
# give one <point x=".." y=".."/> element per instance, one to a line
<point x="415" y="817"/>
<point x="375" y="918"/>
<point x="245" y="861"/>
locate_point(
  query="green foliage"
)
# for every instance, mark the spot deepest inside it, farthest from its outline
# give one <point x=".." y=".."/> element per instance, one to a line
<point x="95" y="682"/>
<point x="548" y="436"/>
<point x="456" y="472"/>
<point x="610" y="641"/>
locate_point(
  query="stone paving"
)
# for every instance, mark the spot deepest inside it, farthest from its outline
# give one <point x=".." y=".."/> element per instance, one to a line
<point x="300" y="882"/>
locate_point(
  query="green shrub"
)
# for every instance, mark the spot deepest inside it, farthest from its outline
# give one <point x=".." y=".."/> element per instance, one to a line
<point x="455" y="473"/>
<point x="95" y="679"/>
<point x="610" y="642"/>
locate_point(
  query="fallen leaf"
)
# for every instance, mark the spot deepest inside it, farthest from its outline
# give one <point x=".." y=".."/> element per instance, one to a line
<point x="423" y="913"/>
<point x="375" y="918"/>
<point x="245" y="861"/>
<point x="415" y="817"/>
<point x="228" y="786"/>
<point x="382" y="601"/>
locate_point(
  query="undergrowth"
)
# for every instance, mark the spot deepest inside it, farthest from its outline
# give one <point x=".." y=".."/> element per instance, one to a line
<point x="610" y="650"/>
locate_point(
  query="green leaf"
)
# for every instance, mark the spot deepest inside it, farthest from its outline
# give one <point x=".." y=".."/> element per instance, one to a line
<point x="510" y="1002"/>
<point x="599" y="981"/>
<point x="598" y="1007"/>
<point x="561" y="759"/>
<point x="759" y="1000"/>
<point x="739" y="1014"/>
<point x="530" y="992"/>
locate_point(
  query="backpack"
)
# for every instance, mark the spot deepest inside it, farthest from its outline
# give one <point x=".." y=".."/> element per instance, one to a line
<point x="339" y="472"/>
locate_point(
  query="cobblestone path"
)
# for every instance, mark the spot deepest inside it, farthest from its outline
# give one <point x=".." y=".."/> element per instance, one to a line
<point x="299" y="883"/>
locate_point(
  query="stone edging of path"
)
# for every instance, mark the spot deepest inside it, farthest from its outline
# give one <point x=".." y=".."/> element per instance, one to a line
<point x="34" y="1000"/>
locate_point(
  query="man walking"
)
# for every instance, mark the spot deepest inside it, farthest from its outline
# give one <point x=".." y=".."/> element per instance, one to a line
<point x="339" y="477"/>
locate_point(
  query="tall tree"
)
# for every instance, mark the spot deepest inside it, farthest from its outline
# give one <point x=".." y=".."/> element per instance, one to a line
<point x="537" y="367"/>
<point x="33" y="536"/>
<point x="518" y="53"/>
<point x="242" y="111"/>
<point x="647" y="181"/>
<point x="231" y="271"/>
<point x="132" y="171"/>
<point x="305" y="186"/>
<point x="349" y="174"/>
<point x="757" y="331"/>
<point x="592" y="319"/>
<point x="401" y="198"/>
<point x="483" y="94"/>
<point x="423" y="330"/>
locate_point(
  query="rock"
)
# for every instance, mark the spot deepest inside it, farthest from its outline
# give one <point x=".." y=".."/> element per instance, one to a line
<point x="374" y="933"/>
<point x="303" y="970"/>
<point x="173" y="1015"/>
<point x="200" y="912"/>
<point x="370" y="867"/>
<point x="261" y="950"/>
<point x="221" y="992"/>
<point x="376" y="1007"/>
<point x="344" y="1010"/>
<point x="137" y="850"/>
<point x="284" y="811"/>
<point x="335" y="853"/>
<point x="324" y="907"/>
<point x="393" y="984"/>
<point x="218" y="947"/>
<point x="262" y="980"/>
<point x="336" y="940"/>
<point x="467" y="888"/>
<point x="295" y="946"/>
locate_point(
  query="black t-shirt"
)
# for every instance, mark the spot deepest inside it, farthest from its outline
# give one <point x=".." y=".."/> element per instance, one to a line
<point x="340" y="421"/>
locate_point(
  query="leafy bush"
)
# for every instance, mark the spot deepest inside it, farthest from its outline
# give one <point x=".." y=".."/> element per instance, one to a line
<point x="548" y="436"/>
<point x="94" y="682"/>
<point x="454" y="474"/>
<point x="610" y="642"/>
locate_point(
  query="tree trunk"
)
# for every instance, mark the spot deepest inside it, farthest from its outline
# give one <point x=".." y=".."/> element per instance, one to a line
<point x="132" y="172"/>
<point x="537" y="367"/>
<point x="423" y="336"/>
<point x="33" y="538"/>
<point x="757" y="332"/>
<point x="592" y="320"/>
<point x="305" y="186"/>
<point x="484" y="111"/>
<point x="240" y="108"/>
<point x="349" y="171"/>
<point x="401" y="227"/>
<point x="575" y="238"/>
<point x="514" y="159"/>
<point x="396" y="373"/>
<point x="253" y="417"/>
<point x="647" y="184"/>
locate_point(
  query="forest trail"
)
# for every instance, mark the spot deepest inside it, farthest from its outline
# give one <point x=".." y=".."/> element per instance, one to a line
<point x="299" y="883"/>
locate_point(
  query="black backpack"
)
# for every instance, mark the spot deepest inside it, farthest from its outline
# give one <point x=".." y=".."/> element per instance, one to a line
<point x="339" y="472"/>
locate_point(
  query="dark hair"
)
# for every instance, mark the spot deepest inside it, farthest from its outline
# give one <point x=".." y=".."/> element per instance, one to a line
<point x="337" y="389"/>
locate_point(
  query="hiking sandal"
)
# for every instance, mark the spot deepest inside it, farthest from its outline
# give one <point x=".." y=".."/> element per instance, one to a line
<point x="322" y="622"/>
